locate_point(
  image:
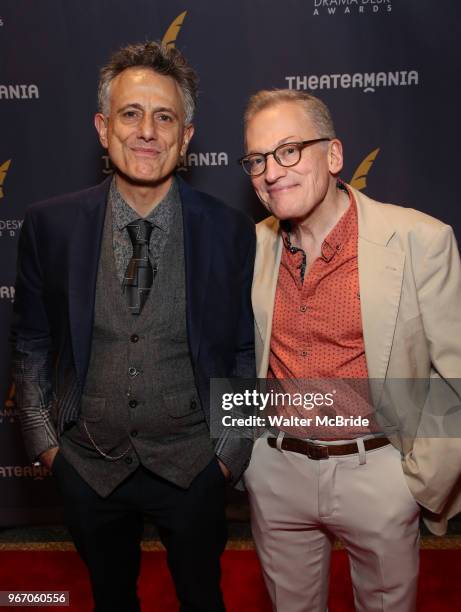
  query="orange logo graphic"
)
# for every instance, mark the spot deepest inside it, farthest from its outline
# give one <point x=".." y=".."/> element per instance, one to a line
<point x="172" y="33"/>
<point x="359" y="179"/>
<point x="9" y="402"/>
<point x="3" y="170"/>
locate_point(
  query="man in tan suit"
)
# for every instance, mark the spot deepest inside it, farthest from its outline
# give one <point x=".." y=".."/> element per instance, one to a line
<point x="349" y="288"/>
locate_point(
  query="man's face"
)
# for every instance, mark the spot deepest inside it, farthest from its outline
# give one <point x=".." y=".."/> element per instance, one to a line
<point x="291" y="193"/>
<point x="144" y="132"/>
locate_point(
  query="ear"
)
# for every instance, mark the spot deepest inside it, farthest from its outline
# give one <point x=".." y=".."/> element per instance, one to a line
<point x="335" y="156"/>
<point x="188" y="133"/>
<point x="100" y="123"/>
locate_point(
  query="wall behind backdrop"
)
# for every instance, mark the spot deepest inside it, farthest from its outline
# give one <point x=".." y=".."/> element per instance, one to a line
<point x="388" y="69"/>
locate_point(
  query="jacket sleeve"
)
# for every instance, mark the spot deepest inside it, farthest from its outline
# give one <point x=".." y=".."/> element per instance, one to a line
<point x="234" y="446"/>
<point x="31" y="347"/>
<point x="432" y="466"/>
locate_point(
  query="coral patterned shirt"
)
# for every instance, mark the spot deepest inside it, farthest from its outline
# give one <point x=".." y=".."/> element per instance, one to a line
<point x="317" y="325"/>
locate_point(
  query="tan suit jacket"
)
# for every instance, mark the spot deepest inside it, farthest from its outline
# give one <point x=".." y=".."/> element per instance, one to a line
<point x="410" y="293"/>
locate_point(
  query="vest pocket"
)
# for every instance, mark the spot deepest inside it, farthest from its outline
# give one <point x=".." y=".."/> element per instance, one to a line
<point x="183" y="404"/>
<point x="92" y="408"/>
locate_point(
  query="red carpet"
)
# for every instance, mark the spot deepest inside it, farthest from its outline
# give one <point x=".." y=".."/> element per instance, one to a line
<point x="440" y="584"/>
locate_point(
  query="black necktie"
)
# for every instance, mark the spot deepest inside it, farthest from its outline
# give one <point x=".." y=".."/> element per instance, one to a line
<point x="139" y="274"/>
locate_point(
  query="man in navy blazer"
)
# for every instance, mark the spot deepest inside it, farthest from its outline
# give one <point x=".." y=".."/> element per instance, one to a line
<point x="130" y="296"/>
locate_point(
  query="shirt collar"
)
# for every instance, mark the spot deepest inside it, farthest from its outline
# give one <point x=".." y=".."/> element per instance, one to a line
<point x="337" y="237"/>
<point x="343" y="230"/>
<point x="160" y="216"/>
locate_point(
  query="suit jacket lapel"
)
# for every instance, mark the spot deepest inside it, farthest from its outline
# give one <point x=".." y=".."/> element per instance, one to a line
<point x="380" y="278"/>
<point x="197" y="255"/>
<point x="268" y="255"/>
<point x="83" y="269"/>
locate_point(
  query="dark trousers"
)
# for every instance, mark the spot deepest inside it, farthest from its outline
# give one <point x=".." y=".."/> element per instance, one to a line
<point x="107" y="533"/>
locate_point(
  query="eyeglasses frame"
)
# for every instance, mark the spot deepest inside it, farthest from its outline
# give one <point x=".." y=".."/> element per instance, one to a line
<point x="302" y="145"/>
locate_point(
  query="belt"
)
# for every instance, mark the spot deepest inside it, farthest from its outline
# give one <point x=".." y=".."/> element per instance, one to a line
<point x="319" y="451"/>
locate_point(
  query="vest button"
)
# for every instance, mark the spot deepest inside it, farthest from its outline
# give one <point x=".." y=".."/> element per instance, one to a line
<point x="134" y="433"/>
<point x="128" y="460"/>
<point x="134" y="337"/>
<point x="193" y="405"/>
<point x="133" y="403"/>
<point x="132" y="371"/>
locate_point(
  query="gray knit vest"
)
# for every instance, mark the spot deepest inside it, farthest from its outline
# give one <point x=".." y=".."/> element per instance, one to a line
<point x="140" y="404"/>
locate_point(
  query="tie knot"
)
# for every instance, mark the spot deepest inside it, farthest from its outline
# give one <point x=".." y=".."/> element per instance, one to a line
<point x="139" y="231"/>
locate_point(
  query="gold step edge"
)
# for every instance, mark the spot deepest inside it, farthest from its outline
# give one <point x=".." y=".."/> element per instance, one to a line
<point x="427" y="543"/>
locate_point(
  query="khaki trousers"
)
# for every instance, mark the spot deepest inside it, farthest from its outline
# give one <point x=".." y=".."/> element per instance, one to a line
<point x="299" y="506"/>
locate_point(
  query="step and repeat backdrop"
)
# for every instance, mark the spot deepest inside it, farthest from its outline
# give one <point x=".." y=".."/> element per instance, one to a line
<point x="388" y="69"/>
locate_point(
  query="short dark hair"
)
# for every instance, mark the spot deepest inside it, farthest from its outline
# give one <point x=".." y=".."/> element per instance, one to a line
<point x="162" y="59"/>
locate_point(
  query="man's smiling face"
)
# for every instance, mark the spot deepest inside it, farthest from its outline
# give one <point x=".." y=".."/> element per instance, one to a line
<point x="144" y="130"/>
<point x="289" y="193"/>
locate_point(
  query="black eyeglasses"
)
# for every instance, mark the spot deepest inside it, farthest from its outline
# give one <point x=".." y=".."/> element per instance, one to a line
<point x="287" y="154"/>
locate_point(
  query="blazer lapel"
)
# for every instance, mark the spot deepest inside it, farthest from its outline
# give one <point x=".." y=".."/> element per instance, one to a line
<point x="380" y="278"/>
<point x="83" y="269"/>
<point x="197" y="254"/>
<point x="268" y="255"/>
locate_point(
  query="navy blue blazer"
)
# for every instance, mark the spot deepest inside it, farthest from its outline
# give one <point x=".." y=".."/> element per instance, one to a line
<point x="58" y="258"/>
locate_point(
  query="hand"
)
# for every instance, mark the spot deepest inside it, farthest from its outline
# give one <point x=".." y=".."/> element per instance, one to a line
<point x="224" y="469"/>
<point x="47" y="458"/>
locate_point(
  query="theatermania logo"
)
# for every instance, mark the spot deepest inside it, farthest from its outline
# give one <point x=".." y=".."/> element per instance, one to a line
<point x="368" y="81"/>
<point x="33" y="472"/>
<point x="349" y="7"/>
<point x="7" y="292"/>
<point x="17" y="91"/>
<point x="208" y="158"/>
